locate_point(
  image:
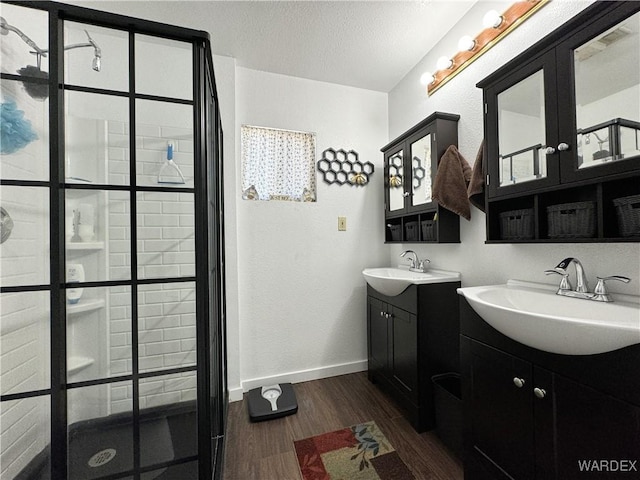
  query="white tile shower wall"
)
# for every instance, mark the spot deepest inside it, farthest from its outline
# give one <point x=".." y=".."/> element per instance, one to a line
<point x="24" y="356"/>
<point x="166" y="248"/>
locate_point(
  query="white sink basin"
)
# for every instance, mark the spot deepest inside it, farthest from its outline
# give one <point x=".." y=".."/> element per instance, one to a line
<point x="534" y="315"/>
<point x="393" y="281"/>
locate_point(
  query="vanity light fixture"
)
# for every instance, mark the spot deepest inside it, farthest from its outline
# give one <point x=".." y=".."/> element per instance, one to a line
<point x="496" y="26"/>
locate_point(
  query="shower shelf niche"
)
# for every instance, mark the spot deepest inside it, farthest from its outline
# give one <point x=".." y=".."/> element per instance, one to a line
<point x="85" y="307"/>
<point x="77" y="364"/>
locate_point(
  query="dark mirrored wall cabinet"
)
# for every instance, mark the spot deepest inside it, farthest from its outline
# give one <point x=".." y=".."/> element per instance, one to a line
<point x="562" y="129"/>
<point x="410" y="163"/>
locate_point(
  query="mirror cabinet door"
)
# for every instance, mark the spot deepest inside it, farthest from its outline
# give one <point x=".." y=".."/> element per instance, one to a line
<point x="521" y="131"/>
<point x="395" y="181"/>
<point x="421" y="171"/>
<point x="607" y="99"/>
<point x="522" y="128"/>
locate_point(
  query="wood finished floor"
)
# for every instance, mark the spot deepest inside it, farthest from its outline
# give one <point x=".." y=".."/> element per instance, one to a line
<point x="264" y="450"/>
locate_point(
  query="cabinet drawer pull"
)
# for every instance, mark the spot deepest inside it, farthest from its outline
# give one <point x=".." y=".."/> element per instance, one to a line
<point x="539" y="392"/>
<point x="518" y="382"/>
<point x="406" y="194"/>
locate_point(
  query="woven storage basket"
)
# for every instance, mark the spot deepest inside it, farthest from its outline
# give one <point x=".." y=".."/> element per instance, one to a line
<point x="428" y="230"/>
<point x="516" y="224"/>
<point x="572" y="220"/>
<point x="411" y="232"/>
<point x="396" y="232"/>
<point x="628" y="210"/>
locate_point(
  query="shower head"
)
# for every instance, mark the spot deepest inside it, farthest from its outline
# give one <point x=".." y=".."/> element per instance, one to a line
<point x="96" y="64"/>
<point x="3" y="27"/>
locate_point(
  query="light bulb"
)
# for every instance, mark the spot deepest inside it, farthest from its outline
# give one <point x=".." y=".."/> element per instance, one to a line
<point x="466" y="43"/>
<point x="426" y="78"/>
<point x="492" y="19"/>
<point x="444" y="63"/>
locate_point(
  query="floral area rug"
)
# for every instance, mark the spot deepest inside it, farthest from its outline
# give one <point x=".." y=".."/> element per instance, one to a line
<point x="360" y="452"/>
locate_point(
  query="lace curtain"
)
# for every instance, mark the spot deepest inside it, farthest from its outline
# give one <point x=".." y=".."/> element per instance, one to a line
<point x="278" y="164"/>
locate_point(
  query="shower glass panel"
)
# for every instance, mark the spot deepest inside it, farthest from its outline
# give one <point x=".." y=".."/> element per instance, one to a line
<point x="26" y="436"/>
<point x="100" y="433"/>
<point x="166" y="325"/>
<point x="164" y="144"/>
<point x="24" y="150"/>
<point x="16" y="53"/>
<point x="166" y="235"/>
<point x="169" y="60"/>
<point x="97" y="232"/>
<point x="101" y="313"/>
<point x="99" y="59"/>
<point x="168" y="409"/>
<point x="111" y="248"/>
<point x="24" y="254"/>
<point x="24" y="342"/>
<point x="96" y="139"/>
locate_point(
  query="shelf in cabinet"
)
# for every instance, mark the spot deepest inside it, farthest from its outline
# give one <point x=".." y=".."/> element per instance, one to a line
<point x="86" y="306"/>
<point x="77" y="364"/>
<point x="85" y="245"/>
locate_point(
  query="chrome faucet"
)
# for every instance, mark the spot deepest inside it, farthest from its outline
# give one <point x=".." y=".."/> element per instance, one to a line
<point x="415" y="264"/>
<point x="600" y="293"/>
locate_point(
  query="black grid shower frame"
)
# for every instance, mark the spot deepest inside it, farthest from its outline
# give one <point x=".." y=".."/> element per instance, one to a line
<point x="58" y="13"/>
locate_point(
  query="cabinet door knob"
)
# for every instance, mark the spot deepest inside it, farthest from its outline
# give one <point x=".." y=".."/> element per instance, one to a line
<point x="518" y="382"/>
<point x="386" y="315"/>
<point x="563" y="147"/>
<point x="406" y="194"/>
<point x="539" y="392"/>
<point x="382" y="314"/>
<point x="549" y="150"/>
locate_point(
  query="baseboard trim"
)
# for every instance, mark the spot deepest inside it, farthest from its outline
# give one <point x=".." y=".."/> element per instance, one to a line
<point x="298" y="376"/>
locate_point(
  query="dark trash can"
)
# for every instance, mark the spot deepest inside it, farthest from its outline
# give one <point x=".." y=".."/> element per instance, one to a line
<point x="447" y="399"/>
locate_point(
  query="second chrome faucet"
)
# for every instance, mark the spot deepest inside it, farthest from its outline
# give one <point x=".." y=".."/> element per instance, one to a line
<point x="415" y="264"/>
<point x="599" y="294"/>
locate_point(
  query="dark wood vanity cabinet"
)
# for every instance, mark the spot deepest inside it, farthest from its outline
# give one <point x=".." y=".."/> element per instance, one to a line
<point x="535" y="415"/>
<point x="410" y="164"/>
<point x="562" y="126"/>
<point x="410" y="338"/>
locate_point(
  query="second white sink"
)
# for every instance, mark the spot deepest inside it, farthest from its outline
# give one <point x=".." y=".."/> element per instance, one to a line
<point x="393" y="281"/>
<point x="539" y="318"/>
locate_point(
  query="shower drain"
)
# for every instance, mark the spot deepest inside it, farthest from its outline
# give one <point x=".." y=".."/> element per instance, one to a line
<point x="102" y="457"/>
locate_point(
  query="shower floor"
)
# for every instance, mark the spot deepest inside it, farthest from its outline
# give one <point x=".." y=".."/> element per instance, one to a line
<point x="104" y="447"/>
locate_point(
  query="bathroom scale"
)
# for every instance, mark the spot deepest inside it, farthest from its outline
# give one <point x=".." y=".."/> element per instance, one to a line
<point x="271" y="401"/>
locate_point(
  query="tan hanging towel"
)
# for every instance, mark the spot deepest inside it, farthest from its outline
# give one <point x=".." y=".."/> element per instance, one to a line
<point x="475" y="192"/>
<point x="450" y="185"/>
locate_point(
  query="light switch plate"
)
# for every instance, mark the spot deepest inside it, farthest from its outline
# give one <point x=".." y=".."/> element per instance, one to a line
<point x="342" y="224"/>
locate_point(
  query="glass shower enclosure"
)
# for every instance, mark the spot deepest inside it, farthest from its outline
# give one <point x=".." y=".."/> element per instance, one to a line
<point x="112" y="327"/>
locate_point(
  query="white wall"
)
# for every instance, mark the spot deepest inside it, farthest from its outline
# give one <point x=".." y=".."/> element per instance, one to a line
<point x="480" y="263"/>
<point x="300" y="290"/>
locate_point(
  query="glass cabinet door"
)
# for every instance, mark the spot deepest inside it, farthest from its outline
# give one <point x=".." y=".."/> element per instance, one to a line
<point x="523" y="129"/>
<point x="603" y="130"/>
<point x="421" y="168"/>
<point x="395" y="181"/>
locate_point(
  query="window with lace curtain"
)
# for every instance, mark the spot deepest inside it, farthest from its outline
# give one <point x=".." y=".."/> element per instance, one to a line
<point x="278" y="164"/>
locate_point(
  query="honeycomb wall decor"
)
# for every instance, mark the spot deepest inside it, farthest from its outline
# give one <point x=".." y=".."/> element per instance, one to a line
<point x="395" y="170"/>
<point x="344" y="167"/>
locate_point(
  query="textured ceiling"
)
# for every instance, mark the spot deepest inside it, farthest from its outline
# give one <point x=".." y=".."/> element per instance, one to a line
<point x="366" y="44"/>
